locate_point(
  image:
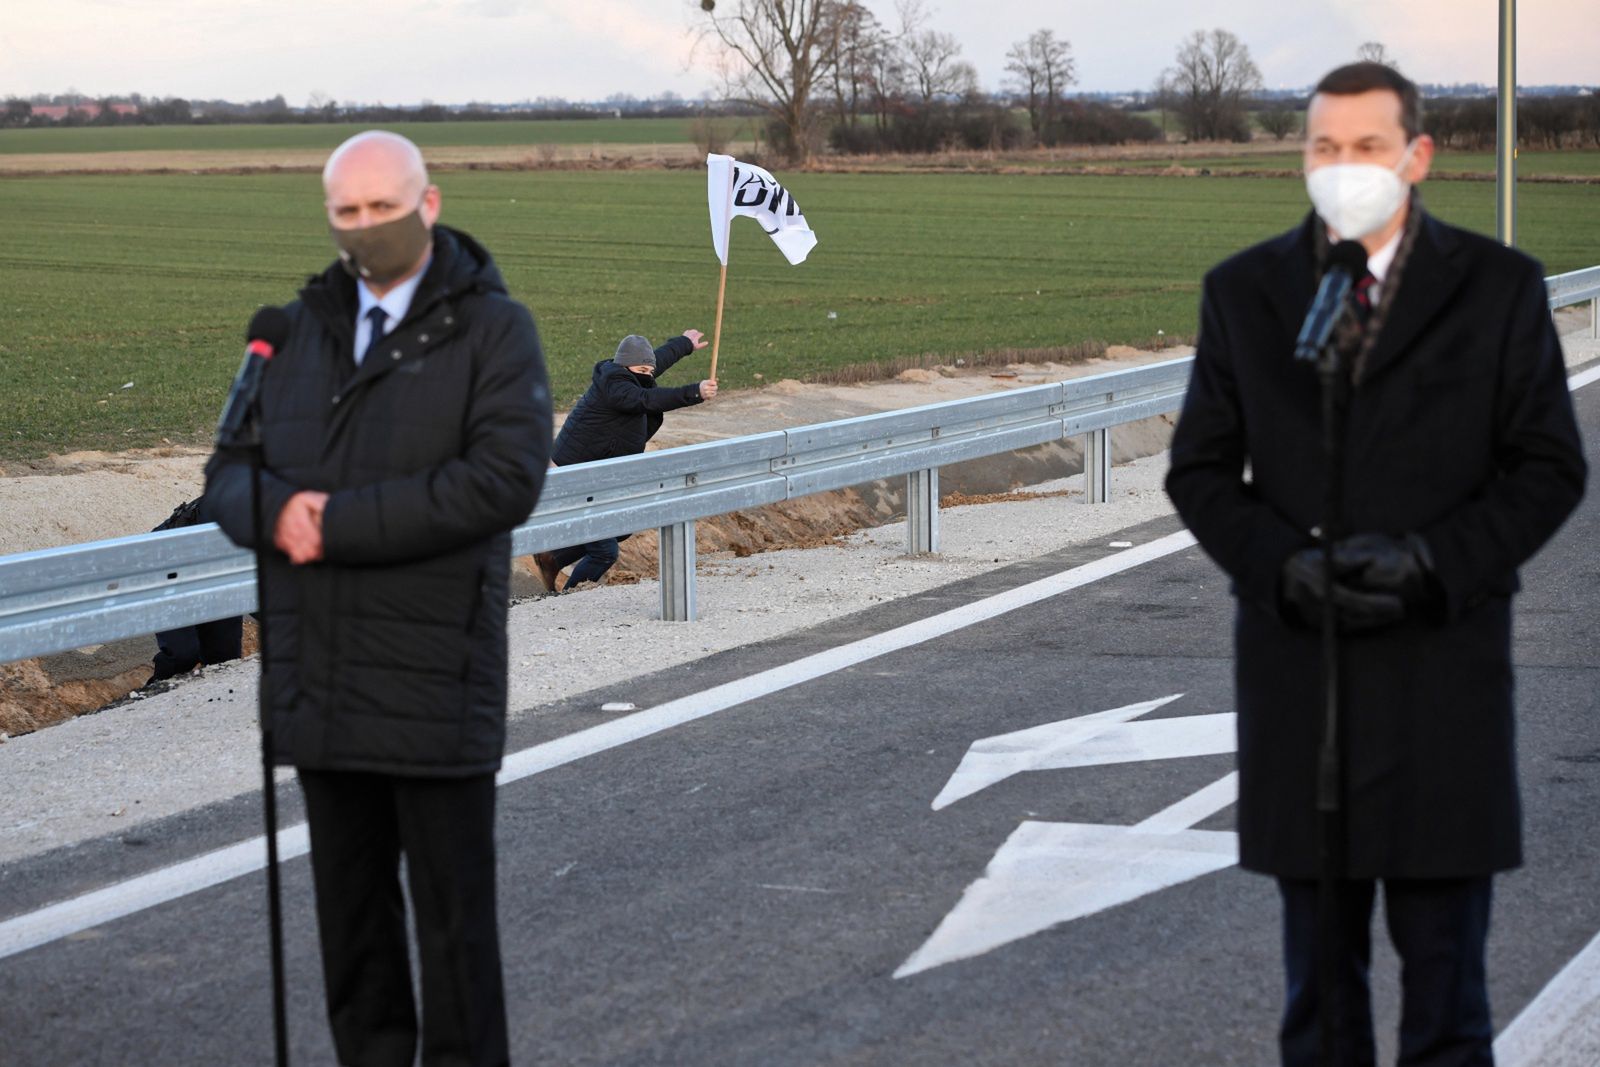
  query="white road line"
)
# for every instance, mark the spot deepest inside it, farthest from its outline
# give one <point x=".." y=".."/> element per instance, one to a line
<point x="687" y="709"/>
<point x="146" y="891"/>
<point x="1194" y="808"/>
<point x="1561" y="1026"/>
<point x="1578" y="381"/>
<point x="158" y="887"/>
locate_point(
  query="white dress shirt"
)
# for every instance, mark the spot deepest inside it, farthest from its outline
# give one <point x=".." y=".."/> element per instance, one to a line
<point x="395" y="303"/>
<point x="1379" y="262"/>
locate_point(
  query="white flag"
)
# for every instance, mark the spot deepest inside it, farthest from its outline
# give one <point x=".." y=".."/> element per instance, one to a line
<point x="736" y="188"/>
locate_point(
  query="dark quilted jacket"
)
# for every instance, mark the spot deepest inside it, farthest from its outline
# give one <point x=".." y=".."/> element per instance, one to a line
<point x="390" y="654"/>
<point x="619" y="412"/>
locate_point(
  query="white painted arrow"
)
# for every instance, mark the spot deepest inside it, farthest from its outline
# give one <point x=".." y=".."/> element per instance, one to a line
<point x="1051" y="873"/>
<point x="1087" y="741"/>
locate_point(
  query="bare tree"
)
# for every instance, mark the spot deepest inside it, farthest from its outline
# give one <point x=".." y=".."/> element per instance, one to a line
<point x="886" y="80"/>
<point x="321" y="107"/>
<point x="1164" y="96"/>
<point x="933" y="68"/>
<point x="777" y="55"/>
<point x="1279" y="119"/>
<point x="1375" y="52"/>
<point x="1043" y="68"/>
<point x="1212" y="78"/>
<point x="17" y="112"/>
<point x="861" y="44"/>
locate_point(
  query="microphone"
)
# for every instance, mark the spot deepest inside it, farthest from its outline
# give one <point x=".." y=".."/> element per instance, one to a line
<point x="269" y="328"/>
<point x="1347" y="261"/>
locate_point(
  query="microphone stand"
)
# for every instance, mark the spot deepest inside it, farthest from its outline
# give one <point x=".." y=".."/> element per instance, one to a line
<point x="1330" y="756"/>
<point x="250" y="440"/>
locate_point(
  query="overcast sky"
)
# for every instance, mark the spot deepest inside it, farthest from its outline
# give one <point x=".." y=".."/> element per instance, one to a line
<point x="453" y="51"/>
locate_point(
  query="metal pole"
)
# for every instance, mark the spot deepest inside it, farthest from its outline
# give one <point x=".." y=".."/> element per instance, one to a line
<point x="1506" y="128"/>
<point x="677" y="559"/>
<point x="1097" y="466"/>
<point x="922" y="511"/>
<point x="1331" y="815"/>
<point x="269" y="784"/>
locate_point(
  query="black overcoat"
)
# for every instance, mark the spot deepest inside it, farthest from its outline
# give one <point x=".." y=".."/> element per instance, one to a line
<point x="1462" y="431"/>
<point x="390" y="654"/>
<point x="618" y="414"/>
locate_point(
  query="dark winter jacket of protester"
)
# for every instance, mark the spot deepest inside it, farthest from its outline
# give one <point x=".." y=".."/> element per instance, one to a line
<point x="1460" y="430"/>
<point x="621" y="410"/>
<point x="389" y="655"/>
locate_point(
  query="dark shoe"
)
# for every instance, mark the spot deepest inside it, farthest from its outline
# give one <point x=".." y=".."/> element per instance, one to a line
<point x="549" y="569"/>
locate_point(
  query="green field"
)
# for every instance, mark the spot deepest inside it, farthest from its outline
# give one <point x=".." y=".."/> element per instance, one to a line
<point x="150" y="279"/>
<point x="328" y="136"/>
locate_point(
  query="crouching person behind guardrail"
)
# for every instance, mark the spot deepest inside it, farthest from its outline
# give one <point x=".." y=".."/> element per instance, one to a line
<point x="208" y="643"/>
<point x="405" y="429"/>
<point x="618" y="414"/>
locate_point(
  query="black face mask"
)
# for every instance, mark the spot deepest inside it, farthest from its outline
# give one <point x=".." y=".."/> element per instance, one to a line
<point x="383" y="252"/>
<point x="646" y="380"/>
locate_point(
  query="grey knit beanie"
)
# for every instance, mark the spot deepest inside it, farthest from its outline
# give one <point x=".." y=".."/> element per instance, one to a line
<point x="635" y="351"/>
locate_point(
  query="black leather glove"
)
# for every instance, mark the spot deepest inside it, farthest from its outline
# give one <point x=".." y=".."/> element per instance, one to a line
<point x="1301" y="593"/>
<point x="1378" y="563"/>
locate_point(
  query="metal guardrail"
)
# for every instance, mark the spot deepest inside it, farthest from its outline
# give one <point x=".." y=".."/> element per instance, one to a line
<point x="63" y="598"/>
<point x="1577" y="287"/>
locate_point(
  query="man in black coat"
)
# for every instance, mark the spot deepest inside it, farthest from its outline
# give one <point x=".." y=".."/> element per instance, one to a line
<point x="405" y="428"/>
<point x="616" y="416"/>
<point x="1462" y="459"/>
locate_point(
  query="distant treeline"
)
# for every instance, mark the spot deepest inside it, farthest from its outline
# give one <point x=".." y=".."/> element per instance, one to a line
<point x="980" y="123"/>
<point x="974" y="120"/>
<point x="1542" y="122"/>
<point x="137" y="110"/>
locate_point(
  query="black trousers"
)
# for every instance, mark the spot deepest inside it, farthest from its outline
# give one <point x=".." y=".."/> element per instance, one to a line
<point x="1438" y="927"/>
<point x="592" y="559"/>
<point x="360" y="826"/>
<point x="182" y="650"/>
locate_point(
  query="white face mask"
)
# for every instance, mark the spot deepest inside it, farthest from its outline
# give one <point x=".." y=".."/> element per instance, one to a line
<point x="1357" y="199"/>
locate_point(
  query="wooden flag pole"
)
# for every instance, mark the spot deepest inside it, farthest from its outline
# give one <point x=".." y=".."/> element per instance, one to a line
<point x="722" y="285"/>
<point x="716" y="333"/>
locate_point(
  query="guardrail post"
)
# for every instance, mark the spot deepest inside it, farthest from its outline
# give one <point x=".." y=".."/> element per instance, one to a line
<point x="677" y="572"/>
<point x="922" y="511"/>
<point x="1097" y="465"/>
<point x="1594" y="317"/>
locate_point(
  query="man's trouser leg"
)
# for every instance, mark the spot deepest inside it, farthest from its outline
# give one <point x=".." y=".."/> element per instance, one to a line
<point x="598" y="557"/>
<point x="1439" y="927"/>
<point x="177" y="652"/>
<point x="355" y="861"/>
<point x="1299" y="1038"/>
<point x="221" y="641"/>
<point x="447" y="834"/>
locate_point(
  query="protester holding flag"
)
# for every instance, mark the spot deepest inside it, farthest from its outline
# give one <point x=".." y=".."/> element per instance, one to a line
<point x="623" y="407"/>
<point x="618" y="414"/>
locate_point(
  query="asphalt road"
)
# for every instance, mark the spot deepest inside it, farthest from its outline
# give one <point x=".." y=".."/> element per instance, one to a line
<point x="741" y="889"/>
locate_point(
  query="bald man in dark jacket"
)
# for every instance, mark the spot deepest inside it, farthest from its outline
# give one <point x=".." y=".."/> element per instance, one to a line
<point x="405" y="429"/>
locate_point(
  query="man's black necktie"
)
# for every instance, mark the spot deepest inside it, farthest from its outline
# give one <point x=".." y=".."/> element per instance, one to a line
<point x="379" y="318"/>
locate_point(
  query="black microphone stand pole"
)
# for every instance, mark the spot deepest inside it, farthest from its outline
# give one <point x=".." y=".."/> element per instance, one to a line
<point x="1330" y="761"/>
<point x="251" y="440"/>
